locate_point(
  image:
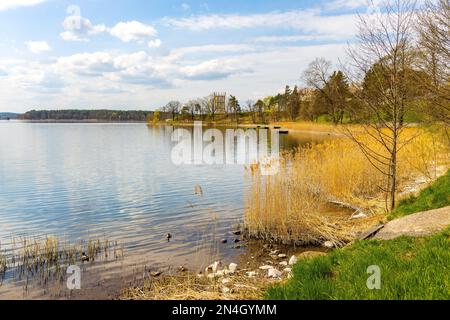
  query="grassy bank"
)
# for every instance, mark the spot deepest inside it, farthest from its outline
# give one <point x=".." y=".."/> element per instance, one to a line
<point x="435" y="196"/>
<point x="410" y="269"/>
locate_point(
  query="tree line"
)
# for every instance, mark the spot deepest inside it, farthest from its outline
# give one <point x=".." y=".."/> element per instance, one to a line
<point x="87" y="115"/>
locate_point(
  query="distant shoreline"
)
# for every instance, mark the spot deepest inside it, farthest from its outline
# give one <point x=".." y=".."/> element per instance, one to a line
<point x="77" y="121"/>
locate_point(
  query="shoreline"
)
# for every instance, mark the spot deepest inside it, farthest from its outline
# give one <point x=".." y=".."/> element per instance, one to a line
<point x="287" y="126"/>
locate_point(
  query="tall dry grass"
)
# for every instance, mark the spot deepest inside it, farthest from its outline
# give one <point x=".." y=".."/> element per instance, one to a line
<point x="299" y="203"/>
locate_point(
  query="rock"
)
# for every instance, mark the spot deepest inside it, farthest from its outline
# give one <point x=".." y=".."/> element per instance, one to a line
<point x="266" y="267"/>
<point x="213" y="267"/>
<point x="251" y="274"/>
<point x="274" y="273"/>
<point x="237" y="232"/>
<point x="293" y="260"/>
<point x="370" y="233"/>
<point x="311" y="254"/>
<point x="358" y="216"/>
<point x="216" y="266"/>
<point x="225" y="290"/>
<point x="226" y="281"/>
<point x="287" y="270"/>
<point x="274" y="257"/>
<point x="237" y="246"/>
<point x="224" y="241"/>
<point x="168" y="237"/>
<point x="155" y="274"/>
<point x="200" y="276"/>
<point x="232" y="267"/>
<point x="282" y="256"/>
<point x="283" y="263"/>
<point x="269" y="262"/>
<point x="237" y="240"/>
<point x="274" y="252"/>
<point x="420" y="224"/>
<point x="328" y="244"/>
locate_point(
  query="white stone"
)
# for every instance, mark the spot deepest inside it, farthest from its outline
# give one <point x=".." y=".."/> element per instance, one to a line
<point x="359" y="216"/>
<point x="284" y="263"/>
<point x="274" y="273"/>
<point x="226" y="290"/>
<point x="251" y="274"/>
<point x="226" y="281"/>
<point x="328" y="244"/>
<point x="215" y="266"/>
<point x="287" y="270"/>
<point x="282" y="256"/>
<point x="293" y="260"/>
<point x="232" y="267"/>
<point x="266" y="267"/>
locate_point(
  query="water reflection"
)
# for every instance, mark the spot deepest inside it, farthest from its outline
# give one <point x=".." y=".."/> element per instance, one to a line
<point x="117" y="181"/>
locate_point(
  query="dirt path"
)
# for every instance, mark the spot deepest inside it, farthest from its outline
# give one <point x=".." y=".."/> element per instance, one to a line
<point x="416" y="225"/>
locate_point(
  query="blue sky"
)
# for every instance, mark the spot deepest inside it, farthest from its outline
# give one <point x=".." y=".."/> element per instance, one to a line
<point x="132" y="54"/>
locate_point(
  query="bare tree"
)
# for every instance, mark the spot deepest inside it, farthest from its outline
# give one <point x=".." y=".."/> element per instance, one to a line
<point x="207" y="105"/>
<point x="192" y="108"/>
<point x="174" y="108"/>
<point x="379" y="64"/>
<point x="332" y="87"/>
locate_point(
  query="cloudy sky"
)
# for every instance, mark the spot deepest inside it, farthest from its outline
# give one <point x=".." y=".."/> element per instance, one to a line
<point x="136" y="54"/>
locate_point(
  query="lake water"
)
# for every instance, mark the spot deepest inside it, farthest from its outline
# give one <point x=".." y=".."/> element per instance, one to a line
<point x="117" y="182"/>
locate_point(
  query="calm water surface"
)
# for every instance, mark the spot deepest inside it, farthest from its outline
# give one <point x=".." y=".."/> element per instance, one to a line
<point x="116" y="182"/>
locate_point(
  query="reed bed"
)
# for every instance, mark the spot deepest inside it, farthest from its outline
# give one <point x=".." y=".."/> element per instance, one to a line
<point x="27" y="259"/>
<point x="298" y="205"/>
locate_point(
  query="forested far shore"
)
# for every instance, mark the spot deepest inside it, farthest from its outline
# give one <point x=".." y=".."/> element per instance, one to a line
<point x="86" y="115"/>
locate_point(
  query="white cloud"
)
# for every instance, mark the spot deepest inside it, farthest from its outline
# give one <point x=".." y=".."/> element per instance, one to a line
<point x="77" y="28"/>
<point x="134" y="68"/>
<point x="214" y="69"/>
<point x="38" y="46"/>
<point x="296" y="38"/>
<point x="11" y="4"/>
<point x="154" y="43"/>
<point x="348" y="4"/>
<point x="133" y="31"/>
<point x="178" y="53"/>
<point x="310" y="22"/>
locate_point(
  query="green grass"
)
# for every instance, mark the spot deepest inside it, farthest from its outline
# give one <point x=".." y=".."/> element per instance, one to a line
<point x="411" y="268"/>
<point x="434" y="197"/>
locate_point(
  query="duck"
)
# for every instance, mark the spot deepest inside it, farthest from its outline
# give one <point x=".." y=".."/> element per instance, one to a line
<point x="168" y="237"/>
<point x="84" y="257"/>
